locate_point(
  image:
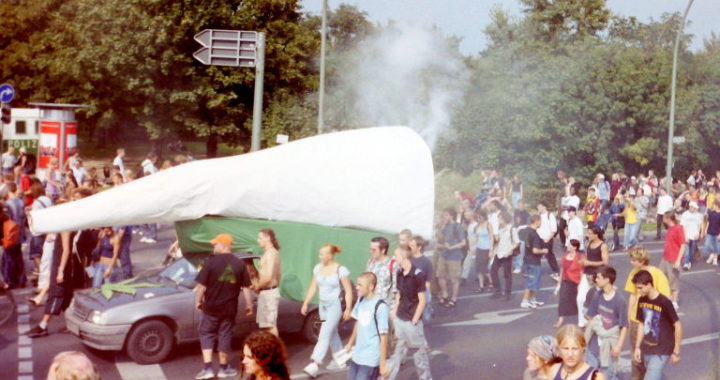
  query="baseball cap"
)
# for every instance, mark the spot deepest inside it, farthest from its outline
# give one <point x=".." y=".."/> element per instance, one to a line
<point x="222" y="238"/>
<point x="693" y="204"/>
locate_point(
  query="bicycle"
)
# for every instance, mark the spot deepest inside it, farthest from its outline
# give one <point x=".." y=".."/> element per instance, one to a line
<point x="7" y="304"/>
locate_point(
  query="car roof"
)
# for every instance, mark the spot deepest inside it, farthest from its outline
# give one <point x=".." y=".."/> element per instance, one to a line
<point x="245" y="255"/>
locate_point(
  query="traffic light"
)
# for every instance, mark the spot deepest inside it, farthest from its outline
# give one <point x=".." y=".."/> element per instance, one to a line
<point x="6" y="114"/>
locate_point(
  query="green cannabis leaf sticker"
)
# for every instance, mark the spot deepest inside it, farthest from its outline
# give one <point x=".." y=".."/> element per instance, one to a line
<point x="125" y="286"/>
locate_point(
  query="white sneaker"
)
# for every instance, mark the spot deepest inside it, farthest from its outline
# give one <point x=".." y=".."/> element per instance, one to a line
<point x="714" y="262"/>
<point x="516" y="271"/>
<point x="150" y="241"/>
<point x="525" y="304"/>
<point x="312" y="370"/>
<point x="555" y="276"/>
<point x="333" y="366"/>
<point x="537" y="303"/>
<point x="143" y="239"/>
<point x="710" y="259"/>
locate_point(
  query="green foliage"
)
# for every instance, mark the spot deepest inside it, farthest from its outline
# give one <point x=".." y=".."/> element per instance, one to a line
<point x="572" y="87"/>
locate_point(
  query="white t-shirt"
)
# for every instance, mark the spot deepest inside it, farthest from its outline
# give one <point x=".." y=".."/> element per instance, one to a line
<point x="494" y="220"/>
<point x="572" y="200"/>
<point x="691" y="222"/>
<point x="548" y="226"/>
<point x="148" y="166"/>
<point x="575" y="231"/>
<point x="8" y="160"/>
<point x="80" y="174"/>
<point x="665" y="204"/>
<point x="118" y="161"/>
<point x="506" y="239"/>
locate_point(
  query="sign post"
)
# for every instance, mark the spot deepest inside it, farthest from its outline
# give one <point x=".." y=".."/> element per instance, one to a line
<point x="237" y="49"/>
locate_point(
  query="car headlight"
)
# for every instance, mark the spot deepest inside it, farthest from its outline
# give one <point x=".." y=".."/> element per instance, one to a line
<point x="98" y="317"/>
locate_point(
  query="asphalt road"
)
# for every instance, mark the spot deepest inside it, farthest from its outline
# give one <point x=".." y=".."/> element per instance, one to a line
<point x="480" y="339"/>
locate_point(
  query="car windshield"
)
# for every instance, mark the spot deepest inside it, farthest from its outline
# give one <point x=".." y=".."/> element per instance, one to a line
<point x="181" y="272"/>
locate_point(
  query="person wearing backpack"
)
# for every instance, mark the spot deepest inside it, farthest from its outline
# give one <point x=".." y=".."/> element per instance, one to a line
<point x="330" y="280"/>
<point x="369" y="354"/>
<point x="508" y="240"/>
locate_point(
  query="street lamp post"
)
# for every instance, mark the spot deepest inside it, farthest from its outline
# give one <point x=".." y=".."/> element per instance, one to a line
<point x="671" y="129"/>
<point x="321" y="98"/>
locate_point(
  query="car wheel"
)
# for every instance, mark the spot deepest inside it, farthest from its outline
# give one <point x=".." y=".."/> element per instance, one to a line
<point x="311" y="327"/>
<point x="149" y="342"/>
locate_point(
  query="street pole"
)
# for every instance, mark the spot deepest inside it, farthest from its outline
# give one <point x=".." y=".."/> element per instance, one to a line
<point x="258" y="102"/>
<point x="321" y="99"/>
<point x="671" y="129"/>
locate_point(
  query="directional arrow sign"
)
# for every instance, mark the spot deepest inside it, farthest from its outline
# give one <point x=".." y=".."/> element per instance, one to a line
<point x="227" y="48"/>
<point x="7" y="93"/>
<point x="500" y="317"/>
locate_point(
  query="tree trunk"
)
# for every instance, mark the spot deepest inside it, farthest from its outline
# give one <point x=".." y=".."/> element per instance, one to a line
<point x="211" y="146"/>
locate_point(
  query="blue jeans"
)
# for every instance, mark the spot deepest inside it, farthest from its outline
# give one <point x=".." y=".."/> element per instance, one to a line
<point x="125" y="261"/>
<point x="654" y="366"/>
<point x="711" y="244"/>
<point x="362" y="372"/>
<point x="328" y="337"/>
<point x="691" y="245"/>
<point x="98" y="275"/>
<point x="36" y="246"/>
<point x="427" y="313"/>
<point x="631" y="233"/>
<point x="514" y="199"/>
<point x="518" y="259"/>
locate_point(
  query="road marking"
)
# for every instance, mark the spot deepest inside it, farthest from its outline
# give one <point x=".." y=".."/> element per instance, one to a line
<point x="25" y="366"/>
<point x="497" y="317"/>
<point x="133" y="371"/>
<point x="25" y="352"/>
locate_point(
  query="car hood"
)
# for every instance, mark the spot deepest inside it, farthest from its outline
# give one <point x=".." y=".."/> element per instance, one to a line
<point x="93" y="299"/>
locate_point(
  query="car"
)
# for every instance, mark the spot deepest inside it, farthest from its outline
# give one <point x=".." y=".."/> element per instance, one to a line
<point x="161" y="313"/>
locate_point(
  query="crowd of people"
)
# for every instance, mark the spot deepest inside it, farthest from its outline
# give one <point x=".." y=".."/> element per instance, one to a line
<point x="63" y="262"/>
<point x="499" y="232"/>
<point x="486" y="234"/>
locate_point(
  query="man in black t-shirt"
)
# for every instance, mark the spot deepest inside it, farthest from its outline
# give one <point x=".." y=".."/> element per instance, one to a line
<point x="661" y="334"/>
<point x="407" y="314"/>
<point x="218" y="288"/>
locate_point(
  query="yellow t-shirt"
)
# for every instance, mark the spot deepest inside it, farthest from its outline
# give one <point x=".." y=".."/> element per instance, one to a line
<point x="710" y="200"/>
<point x="660" y="282"/>
<point x="630" y="215"/>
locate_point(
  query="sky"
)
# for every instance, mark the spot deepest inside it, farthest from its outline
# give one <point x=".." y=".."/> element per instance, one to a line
<point x="468" y="18"/>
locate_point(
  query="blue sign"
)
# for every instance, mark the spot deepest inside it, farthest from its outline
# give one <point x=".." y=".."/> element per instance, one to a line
<point x="7" y="93"/>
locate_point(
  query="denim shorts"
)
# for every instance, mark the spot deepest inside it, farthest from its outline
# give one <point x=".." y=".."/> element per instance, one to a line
<point x="533" y="273"/>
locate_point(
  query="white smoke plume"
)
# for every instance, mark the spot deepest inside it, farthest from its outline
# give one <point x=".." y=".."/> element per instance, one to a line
<point x="403" y="75"/>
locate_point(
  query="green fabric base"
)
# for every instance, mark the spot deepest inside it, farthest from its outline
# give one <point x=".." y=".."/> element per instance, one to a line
<point x="299" y="244"/>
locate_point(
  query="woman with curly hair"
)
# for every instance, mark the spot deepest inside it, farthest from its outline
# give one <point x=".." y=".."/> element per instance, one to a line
<point x="264" y="357"/>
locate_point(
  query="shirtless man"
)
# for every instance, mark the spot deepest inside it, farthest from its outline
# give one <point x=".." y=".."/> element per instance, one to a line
<point x="268" y="280"/>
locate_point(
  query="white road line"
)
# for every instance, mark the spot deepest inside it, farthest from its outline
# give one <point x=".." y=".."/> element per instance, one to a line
<point x="133" y="371"/>
<point x="25" y="367"/>
<point x="25" y="354"/>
